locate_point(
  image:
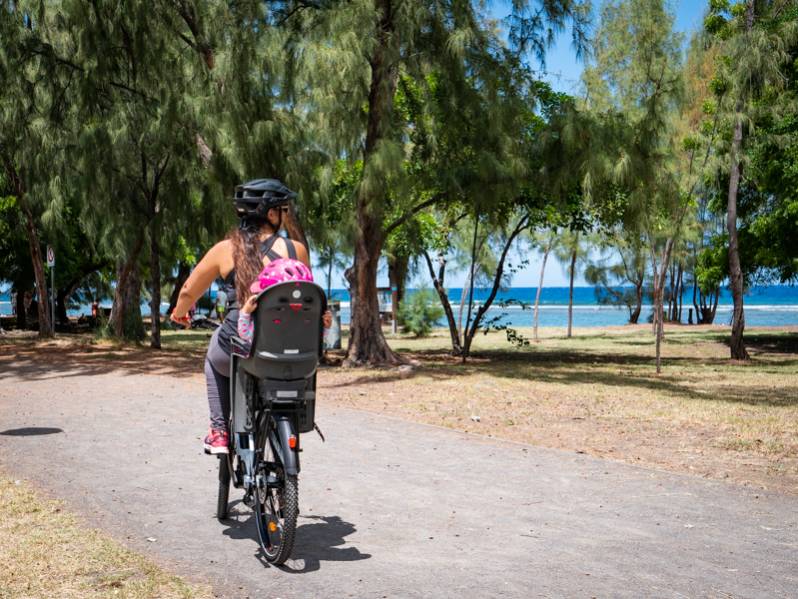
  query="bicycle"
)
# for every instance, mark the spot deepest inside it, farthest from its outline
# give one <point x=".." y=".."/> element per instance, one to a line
<point x="273" y="400"/>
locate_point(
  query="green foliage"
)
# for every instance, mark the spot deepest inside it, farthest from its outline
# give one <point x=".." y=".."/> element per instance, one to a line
<point x="15" y="264"/>
<point x="420" y="312"/>
<point x="755" y="82"/>
<point x="712" y="266"/>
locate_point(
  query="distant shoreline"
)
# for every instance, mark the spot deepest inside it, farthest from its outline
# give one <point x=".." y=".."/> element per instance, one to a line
<point x="773" y="305"/>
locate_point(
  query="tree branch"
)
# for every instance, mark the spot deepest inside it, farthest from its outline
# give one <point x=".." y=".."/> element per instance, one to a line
<point x="522" y="224"/>
<point x="438" y="197"/>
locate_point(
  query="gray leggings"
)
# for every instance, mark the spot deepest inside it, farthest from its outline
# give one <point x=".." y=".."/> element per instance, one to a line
<point x="217" y="368"/>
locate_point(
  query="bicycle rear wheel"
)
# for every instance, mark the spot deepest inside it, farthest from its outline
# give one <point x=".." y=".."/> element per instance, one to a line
<point x="224" y="487"/>
<point x="276" y="512"/>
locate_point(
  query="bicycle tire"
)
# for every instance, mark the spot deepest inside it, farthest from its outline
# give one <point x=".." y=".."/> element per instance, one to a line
<point x="285" y="516"/>
<point x="224" y="487"/>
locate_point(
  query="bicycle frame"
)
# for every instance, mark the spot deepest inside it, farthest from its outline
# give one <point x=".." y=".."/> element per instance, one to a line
<point x="256" y="420"/>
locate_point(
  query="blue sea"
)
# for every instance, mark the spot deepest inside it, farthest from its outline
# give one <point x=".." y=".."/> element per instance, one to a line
<point x="775" y="305"/>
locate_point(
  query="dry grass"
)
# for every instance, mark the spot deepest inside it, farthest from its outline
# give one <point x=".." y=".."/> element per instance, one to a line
<point x="47" y="552"/>
<point x="598" y="393"/>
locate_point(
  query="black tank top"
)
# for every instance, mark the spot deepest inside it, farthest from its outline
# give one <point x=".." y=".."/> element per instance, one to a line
<point x="229" y="326"/>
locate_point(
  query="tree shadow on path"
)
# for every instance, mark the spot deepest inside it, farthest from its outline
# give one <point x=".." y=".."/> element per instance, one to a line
<point x="686" y="377"/>
<point x="318" y="541"/>
<point x="31" y="431"/>
<point x="31" y="362"/>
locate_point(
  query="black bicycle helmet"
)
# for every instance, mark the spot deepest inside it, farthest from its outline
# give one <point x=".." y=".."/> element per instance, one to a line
<point x="255" y="198"/>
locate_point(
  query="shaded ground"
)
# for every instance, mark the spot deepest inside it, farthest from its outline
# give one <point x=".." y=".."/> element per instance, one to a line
<point x="389" y="508"/>
<point x="596" y="393"/>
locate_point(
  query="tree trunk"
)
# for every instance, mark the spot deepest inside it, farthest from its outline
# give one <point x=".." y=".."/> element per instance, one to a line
<point x="471" y="274"/>
<point x="438" y="283"/>
<point x="125" y="322"/>
<point x="671" y="291"/>
<point x="634" y="315"/>
<point x="155" y="286"/>
<point x="540" y="286"/>
<point x="571" y="272"/>
<point x="695" y="292"/>
<point x="463" y="301"/>
<point x="329" y="278"/>
<point x="43" y="305"/>
<point x="658" y="325"/>
<point x="659" y="288"/>
<point x="680" y="283"/>
<point x="60" y="306"/>
<point x="64" y="293"/>
<point x="397" y="273"/>
<point x="367" y="344"/>
<point x="468" y="337"/>
<point x="736" y="344"/>
<point x="183" y="271"/>
<point x="34" y="246"/>
<point x="397" y="279"/>
<point x="709" y="305"/>
<point x="22" y="311"/>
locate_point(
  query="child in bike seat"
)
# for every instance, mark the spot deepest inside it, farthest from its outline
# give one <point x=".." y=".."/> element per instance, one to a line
<point x="277" y="271"/>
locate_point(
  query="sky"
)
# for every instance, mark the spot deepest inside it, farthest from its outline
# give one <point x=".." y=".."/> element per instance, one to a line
<point x="563" y="72"/>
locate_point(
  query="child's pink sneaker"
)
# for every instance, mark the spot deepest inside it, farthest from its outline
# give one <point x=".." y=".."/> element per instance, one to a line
<point x="217" y="441"/>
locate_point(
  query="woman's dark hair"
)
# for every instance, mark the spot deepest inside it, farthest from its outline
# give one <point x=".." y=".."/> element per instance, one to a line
<point x="247" y="256"/>
<point x="293" y="227"/>
<point x="246" y="240"/>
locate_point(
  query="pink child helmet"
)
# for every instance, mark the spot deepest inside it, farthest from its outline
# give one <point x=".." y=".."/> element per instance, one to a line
<point x="279" y="271"/>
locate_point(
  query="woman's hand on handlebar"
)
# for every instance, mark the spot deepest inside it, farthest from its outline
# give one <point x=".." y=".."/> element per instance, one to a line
<point x="183" y="321"/>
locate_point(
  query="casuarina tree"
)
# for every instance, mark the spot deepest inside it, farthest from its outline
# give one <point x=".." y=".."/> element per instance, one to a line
<point x="354" y="89"/>
<point x="753" y="37"/>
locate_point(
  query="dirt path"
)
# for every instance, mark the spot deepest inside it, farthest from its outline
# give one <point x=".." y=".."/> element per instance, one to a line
<point x="390" y="508"/>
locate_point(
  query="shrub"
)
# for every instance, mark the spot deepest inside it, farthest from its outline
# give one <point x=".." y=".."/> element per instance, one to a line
<point x="419" y="312"/>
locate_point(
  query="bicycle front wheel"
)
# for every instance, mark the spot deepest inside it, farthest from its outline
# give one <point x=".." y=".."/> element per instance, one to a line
<point x="224" y="487"/>
<point x="276" y="509"/>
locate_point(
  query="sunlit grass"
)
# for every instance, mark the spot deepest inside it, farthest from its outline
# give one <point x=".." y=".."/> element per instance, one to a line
<point x="47" y="552"/>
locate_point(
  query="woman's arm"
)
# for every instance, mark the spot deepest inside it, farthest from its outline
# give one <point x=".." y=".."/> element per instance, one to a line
<point x="208" y="269"/>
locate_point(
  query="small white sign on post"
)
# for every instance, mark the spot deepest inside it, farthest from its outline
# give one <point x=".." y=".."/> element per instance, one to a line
<point x="51" y="266"/>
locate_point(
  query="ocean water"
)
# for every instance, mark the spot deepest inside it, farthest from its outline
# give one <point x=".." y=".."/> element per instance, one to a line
<point x="775" y="305"/>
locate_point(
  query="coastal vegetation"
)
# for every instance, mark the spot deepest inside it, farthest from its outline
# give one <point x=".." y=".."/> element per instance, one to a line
<point x="418" y="133"/>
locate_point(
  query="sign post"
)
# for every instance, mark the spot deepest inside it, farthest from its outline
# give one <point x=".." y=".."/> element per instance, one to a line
<point x="394" y="308"/>
<point x="51" y="266"/>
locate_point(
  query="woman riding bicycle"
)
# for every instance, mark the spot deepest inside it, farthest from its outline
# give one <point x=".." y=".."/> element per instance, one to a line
<point x="263" y="208"/>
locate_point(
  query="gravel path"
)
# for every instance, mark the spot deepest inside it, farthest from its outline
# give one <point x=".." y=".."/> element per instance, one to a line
<point x="389" y="508"/>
